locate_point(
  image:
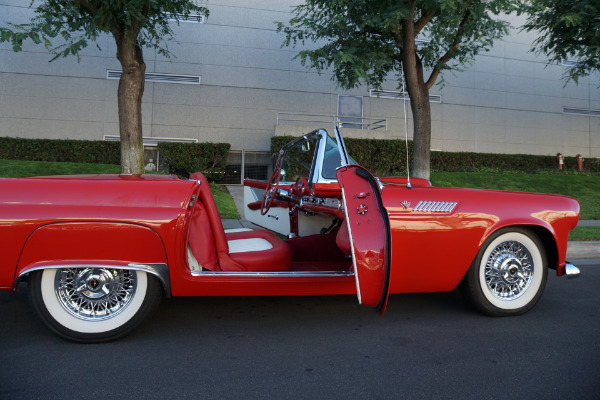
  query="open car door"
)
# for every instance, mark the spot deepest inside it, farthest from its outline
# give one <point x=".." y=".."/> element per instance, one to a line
<point x="369" y="230"/>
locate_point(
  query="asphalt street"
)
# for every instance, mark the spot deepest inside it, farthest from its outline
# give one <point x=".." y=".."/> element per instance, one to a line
<point x="427" y="346"/>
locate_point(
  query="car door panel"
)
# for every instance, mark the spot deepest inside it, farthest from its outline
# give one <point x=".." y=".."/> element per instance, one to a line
<point x="369" y="230"/>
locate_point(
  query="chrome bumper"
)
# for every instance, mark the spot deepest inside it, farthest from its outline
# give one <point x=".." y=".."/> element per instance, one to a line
<point x="572" y="271"/>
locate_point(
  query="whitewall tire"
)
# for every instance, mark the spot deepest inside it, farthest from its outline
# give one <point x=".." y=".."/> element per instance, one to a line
<point x="93" y="304"/>
<point x="508" y="275"/>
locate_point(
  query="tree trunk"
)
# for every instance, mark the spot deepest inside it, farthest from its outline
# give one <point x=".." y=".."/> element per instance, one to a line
<point x="131" y="90"/>
<point x="419" y="101"/>
<point x="421" y="111"/>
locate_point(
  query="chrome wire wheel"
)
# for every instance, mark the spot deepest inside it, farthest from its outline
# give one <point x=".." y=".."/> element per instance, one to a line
<point x="509" y="270"/>
<point x="95" y="294"/>
<point x="93" y="304"/>
<point x="508" y="275"/>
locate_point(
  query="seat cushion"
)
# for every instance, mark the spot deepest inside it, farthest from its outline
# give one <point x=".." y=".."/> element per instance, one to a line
<point x="257" y="250"/>
<point x="250" y="244"/>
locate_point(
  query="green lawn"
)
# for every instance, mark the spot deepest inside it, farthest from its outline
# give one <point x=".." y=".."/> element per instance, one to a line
<point x="585" y="233"/>
<point x="17" y="169"/>
<point x="586" y="189"/>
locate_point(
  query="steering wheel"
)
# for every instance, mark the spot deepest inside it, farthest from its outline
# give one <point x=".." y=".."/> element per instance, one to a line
<point x="270" y="191"/>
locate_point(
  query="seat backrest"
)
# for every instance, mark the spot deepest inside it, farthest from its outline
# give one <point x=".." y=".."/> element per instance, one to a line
<point x="212" y="213"/>
<point x="201" y="239"/>
<point x="225" y="262"/>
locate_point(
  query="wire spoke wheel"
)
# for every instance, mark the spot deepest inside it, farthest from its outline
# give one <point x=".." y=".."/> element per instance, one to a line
<point x="93" y="304"/>
<point x="508" y="274"/>
<point x="509" y="270"/>
<point x="95" y="294"/>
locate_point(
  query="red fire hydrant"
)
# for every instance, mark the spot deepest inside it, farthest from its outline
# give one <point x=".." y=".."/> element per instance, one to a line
<point x="580" y="161"/>
<point x="560" y="159"/>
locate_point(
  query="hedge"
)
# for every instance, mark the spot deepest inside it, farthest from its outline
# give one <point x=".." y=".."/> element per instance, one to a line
<point x="387" y="157"/>
<point x="182" y="158"/>
<point x="186" y="158"/>
<point x="58" y="150"/>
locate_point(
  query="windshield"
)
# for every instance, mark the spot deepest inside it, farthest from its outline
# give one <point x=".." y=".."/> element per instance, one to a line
<point x="302" y="153"/>
<point x="298" y="159"/>
<point x="332" y="160"/>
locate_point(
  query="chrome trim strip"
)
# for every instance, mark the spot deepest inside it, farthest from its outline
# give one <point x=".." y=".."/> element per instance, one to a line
<point x="161" y="271"/>
<point x="276" y="274"/>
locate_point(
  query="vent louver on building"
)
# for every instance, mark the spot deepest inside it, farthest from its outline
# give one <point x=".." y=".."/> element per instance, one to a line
<point x="193" y="18"/>
<point x="569" y="63"/>
<point x="160" y="78"/>
<point x="581" y="111"/>
<point x="397" y="95"/>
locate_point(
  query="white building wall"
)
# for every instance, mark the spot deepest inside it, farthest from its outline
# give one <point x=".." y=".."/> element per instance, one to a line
<point x="508" y="101"/>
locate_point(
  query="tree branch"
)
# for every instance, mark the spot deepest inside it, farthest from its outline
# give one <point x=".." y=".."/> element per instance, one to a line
<point x="451" y="51"/>
<point x="88" y="6"/>
<point x="424" y="20"/>
<point x="112" y="27"/>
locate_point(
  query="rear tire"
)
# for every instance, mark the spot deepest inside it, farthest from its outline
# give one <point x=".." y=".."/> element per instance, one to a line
<point x="508" y="275"/>
<point x="92" y="305"/>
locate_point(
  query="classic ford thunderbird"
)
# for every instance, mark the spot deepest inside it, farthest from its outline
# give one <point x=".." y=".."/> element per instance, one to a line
<point x="99" y="252"/>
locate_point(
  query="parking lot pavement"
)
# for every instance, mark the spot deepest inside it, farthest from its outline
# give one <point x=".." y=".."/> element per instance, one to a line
<point x="426" y="346"/>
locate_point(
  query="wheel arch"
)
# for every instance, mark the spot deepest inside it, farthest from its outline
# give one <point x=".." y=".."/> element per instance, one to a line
<point x="549" y="242"/>
<point x="102" y="244"/>
<point x="159" y="271"/>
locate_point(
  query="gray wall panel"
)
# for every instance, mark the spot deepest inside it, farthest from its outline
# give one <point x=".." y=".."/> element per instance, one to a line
<point x="507" y="100"/>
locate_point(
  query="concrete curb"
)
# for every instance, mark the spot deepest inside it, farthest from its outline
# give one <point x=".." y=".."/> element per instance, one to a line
<point x="582" y="249"/>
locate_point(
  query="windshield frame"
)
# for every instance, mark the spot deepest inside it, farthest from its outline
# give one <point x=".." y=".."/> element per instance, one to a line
<point x="317" y="167"/>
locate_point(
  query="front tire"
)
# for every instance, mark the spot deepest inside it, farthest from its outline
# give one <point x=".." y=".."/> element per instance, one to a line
<point x="92" y="305"/>
<point x="508" y="275"/>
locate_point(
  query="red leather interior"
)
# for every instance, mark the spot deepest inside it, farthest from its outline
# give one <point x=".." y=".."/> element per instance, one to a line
<point x="201" y="239"/>
<point x="328" y="257"/>
<point x="276" y="203"/>
<point x="342" y="239"/>
<point x="276" y="259"/>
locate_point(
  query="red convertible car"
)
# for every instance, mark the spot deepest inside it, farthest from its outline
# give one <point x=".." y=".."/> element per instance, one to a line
<point x="99" y="252"/>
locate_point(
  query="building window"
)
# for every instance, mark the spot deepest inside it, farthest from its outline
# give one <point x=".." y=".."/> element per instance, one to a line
<point x="350" y="111"/>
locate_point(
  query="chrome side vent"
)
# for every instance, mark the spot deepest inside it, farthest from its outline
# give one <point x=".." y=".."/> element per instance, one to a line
<point x="160" y="78"/>
<point x="435" y="206"/>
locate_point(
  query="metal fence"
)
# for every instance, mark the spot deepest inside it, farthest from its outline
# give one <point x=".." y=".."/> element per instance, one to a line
<point x="365" y="123"/>
<point x="243" y="164"/>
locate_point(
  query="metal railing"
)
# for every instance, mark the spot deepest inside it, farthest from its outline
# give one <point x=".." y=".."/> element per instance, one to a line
<point x="365" y="123"/>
